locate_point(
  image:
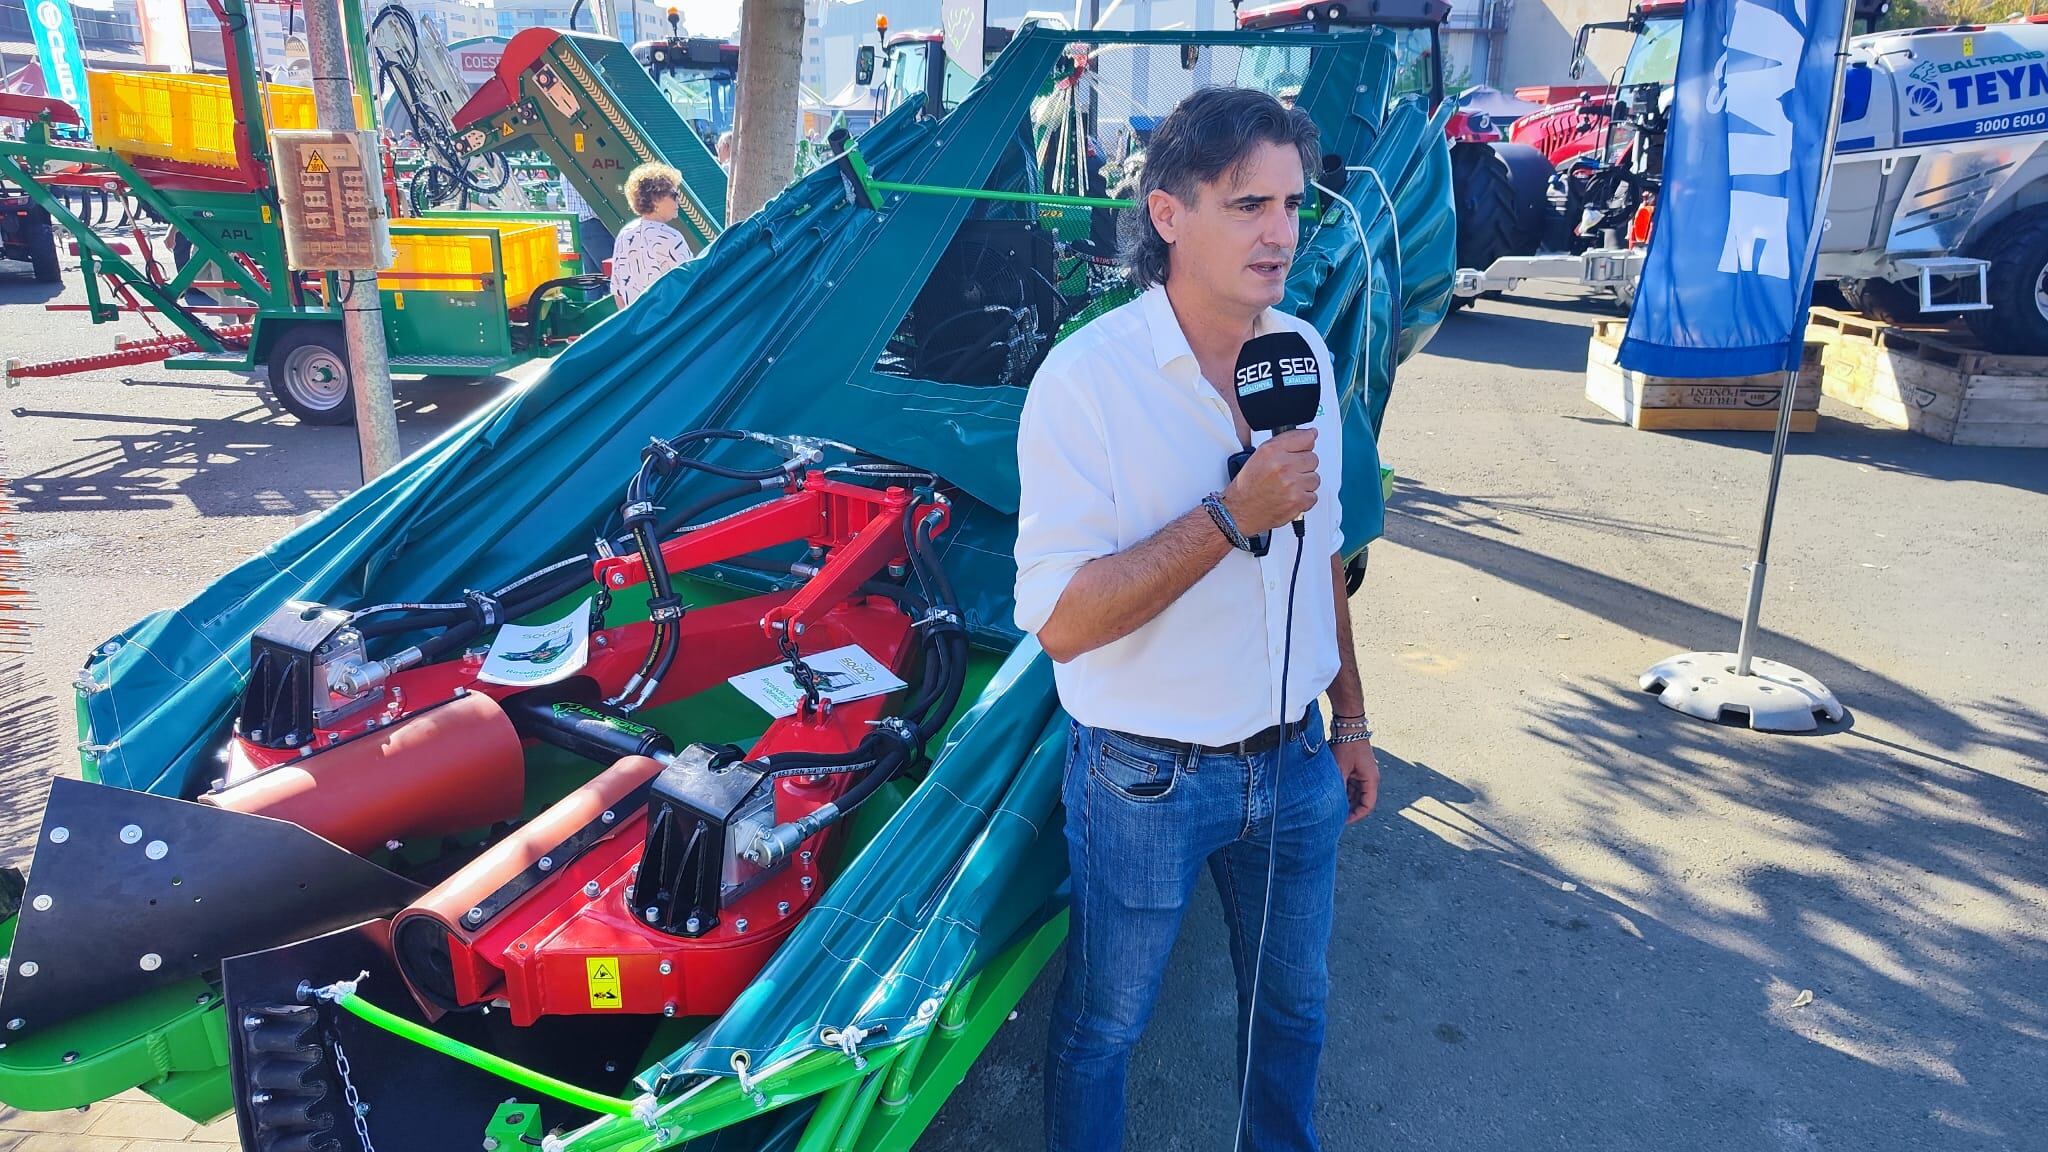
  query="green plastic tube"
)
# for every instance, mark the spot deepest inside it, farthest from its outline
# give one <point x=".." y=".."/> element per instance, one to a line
<point x="567" y="1093"/>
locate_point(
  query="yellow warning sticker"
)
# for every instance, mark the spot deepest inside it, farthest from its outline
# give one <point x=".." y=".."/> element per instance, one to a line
<point x="602" y="973"/>
<point x="314" y="162"/>
<point x="579" y="141"/>
<point x="1969" y="45"/>
<point x="398" y="300"/>
<point x="266" y="213"/>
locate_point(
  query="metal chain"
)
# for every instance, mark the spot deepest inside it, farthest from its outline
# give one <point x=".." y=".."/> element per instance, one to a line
<point x="357" y="1110"/>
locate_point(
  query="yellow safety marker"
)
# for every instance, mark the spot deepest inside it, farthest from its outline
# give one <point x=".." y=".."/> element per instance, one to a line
<point x="602" y="973"/>
<point x="314" y="163"/>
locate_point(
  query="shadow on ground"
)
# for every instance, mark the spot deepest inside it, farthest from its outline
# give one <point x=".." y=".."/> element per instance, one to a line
<point x="1435" y="523"/>
<point x="1485" y="999"/>
<point x="255" y="461"/>
<point x="1504" y="340"/>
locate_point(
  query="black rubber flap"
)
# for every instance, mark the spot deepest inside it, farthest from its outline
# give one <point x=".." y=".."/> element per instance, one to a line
<point x="132" y="892"/>
<point x="419" y="1100"/>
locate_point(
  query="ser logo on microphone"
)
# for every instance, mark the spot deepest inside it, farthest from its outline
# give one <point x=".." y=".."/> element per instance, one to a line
<point x="1295" y="372"/>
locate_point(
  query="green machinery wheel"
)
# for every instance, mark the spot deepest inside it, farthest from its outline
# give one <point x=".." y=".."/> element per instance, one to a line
<point x="309" y="375"/>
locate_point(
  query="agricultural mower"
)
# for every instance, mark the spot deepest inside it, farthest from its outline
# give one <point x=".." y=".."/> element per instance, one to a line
<point x="468" y="295"/>
<point x="593" y="784"/>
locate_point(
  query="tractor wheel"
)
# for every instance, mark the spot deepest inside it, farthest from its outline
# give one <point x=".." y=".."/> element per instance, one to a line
<point x="41" y="239"/>
<point x="2017" y="322"/>
<point x="1485" y="197"/>
<point x="1881" y="300"/>
<point x="309" y="375"/>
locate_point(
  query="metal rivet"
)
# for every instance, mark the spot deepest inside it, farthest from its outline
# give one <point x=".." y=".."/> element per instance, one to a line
<point x="71" y="1057"/>
<point x="667" y="967"/>
<point x="652" y="915"/>
<point x="156" y="850"/>
<point x="547" y="862"/>
<point x="59" y="835"/>
<point x="618" y="579"/>
<point x="131" y="834"/>
<point x="28" y="968"/>
<point x="806" y="882"/>
<point x="804" y="856"/>
<point x="591" y="889"/>
<point x="739" y="925"/>
<point x="782" y="907"/>
<point x="668" y="1009"/>
<point x="16" y="1024"/>
<point x="473" y="915"/>
<point x="608" y="816"/>
<point x="692" y="924"/>
<point x="41" y="903"/>
<point x="151" y="961"/>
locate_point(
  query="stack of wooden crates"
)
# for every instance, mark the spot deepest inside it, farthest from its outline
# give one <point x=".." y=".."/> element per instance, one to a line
<point x="1735" y="403"/>
<point x="1931" y="383"/>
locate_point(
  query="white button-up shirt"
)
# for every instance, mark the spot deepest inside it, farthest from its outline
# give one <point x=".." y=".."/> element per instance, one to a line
<point x="1119" y="436"/>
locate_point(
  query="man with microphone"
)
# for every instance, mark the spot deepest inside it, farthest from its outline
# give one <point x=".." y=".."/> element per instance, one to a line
<point x="1189" y="656"/>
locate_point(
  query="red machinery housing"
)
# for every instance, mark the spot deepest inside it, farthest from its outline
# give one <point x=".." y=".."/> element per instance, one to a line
<point x="552" y="918"/>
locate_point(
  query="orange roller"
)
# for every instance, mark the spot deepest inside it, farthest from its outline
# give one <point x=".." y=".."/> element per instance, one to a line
<point x="420" y="934"/>
<point x="443" y="771"/>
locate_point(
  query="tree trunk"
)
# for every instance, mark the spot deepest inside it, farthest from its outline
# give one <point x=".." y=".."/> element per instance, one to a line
<point x="764" y="124"/>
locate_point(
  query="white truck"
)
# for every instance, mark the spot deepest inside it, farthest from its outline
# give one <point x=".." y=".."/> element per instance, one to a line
<point x="1939" y="198"/>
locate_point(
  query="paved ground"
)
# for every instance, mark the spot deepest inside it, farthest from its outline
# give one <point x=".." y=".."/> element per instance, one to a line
<point x="1579" y="921"/>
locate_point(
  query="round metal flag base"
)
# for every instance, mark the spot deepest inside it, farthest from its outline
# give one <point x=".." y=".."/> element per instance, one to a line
<point x="1773" y="698"/>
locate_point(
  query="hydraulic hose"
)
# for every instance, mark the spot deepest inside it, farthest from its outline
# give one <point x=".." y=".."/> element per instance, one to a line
<point x="345" y="997"/>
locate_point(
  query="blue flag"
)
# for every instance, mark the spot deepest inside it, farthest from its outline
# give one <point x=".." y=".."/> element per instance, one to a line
<point x="1726" y="282"/>
<point x="57" y="46"/>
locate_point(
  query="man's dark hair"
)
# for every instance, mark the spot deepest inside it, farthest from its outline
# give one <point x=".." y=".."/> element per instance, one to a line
<point x="1211" y="133"/>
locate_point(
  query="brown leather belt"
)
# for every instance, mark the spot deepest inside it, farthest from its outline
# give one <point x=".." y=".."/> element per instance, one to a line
<point x="1257" y="743"/>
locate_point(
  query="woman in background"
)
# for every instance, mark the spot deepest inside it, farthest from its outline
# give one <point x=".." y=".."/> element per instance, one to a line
<point x="647" y="247"/>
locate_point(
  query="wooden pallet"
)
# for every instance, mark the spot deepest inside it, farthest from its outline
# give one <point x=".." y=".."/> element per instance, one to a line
<point x="1932" y="382"/>
<point x="1732" y="403"/>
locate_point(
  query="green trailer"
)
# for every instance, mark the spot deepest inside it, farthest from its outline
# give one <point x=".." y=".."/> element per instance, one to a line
<point x="479" y="310"/>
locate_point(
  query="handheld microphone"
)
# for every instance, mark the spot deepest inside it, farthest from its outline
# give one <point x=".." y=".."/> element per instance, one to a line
<point x="1279" y="387"/>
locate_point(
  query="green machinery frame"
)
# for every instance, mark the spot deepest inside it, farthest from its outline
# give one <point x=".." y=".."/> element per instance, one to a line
<point x="236" y="239"/>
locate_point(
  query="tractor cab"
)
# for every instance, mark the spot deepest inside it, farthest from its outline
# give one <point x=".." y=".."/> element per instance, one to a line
<point x="1417" y="27"/>
<point x="914" y="66"/>
<point x="697" y="75"/>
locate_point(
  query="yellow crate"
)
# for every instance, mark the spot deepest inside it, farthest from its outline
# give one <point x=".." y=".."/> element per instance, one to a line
<point x="457" y="260"/>
<point x="187" y="118"/>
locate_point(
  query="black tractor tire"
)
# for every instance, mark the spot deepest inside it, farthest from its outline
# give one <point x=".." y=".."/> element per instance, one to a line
<point x="1495" y="216"/>
<point x="309" y="375"/>
<point x="1485" y="197"/>
<point x="1881" y="300"/>
<point x="2017" y="287"/>
<point x="40" y="236"/>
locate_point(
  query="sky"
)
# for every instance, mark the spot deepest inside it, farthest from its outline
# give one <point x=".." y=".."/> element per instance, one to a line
<point x="711" y="17"/>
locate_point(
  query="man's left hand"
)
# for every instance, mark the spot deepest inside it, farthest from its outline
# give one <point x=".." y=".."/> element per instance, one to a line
<point x="1361" y="772"/>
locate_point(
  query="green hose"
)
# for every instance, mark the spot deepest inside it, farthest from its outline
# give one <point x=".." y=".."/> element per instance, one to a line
<point x="369" y="1013"/>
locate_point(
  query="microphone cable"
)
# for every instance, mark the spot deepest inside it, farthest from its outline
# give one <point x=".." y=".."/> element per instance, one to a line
<point x="1272" y="837"/>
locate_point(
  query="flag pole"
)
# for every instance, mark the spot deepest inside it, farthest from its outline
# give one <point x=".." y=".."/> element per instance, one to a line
<point x="1774" y="697"/>
<point x="1788" y="396"/>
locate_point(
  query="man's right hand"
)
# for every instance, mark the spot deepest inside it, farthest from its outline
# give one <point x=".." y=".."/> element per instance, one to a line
<point x="1277" y="485"/>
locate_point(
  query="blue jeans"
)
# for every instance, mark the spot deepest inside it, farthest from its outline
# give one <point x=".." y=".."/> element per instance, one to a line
<point x="1141" y="822"/>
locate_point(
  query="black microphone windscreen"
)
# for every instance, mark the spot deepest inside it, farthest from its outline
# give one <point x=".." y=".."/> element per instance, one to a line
<point x="1279" y="381"/>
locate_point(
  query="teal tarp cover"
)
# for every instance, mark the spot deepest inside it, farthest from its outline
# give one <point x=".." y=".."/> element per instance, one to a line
<point x="778" y="328"/>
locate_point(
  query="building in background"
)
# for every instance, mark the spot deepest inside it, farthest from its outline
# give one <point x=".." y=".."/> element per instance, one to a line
<point x="636" y="19"/>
